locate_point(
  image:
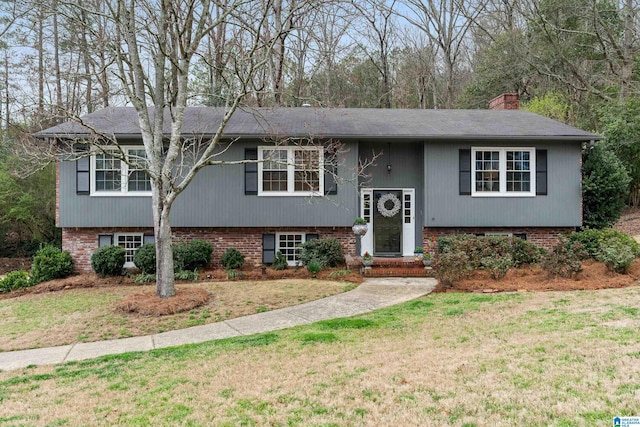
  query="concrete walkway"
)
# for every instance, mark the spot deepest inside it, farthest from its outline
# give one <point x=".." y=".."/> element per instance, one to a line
<point x="371" y="295"/>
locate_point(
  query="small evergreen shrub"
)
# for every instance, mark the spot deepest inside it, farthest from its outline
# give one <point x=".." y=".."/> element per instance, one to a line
<point x="279" y="262"/>
<point x="232" y="259"/>
<point x="479" y="248"/>
<point x="50" y="263"/>
<point x="451" y="266"/>
<point x="526" y="253"/>
<point x="591" y="241"/>
<point x="616" y="255"/>
<point x="145" y="258"/>
<point x="15" y="280"/>
<point x="328" y="252"/>
<point x="498" y="266"/>
<point x="314" y="267"/>
<point x="193" y="255"/>
<point x="108" y="261"/>
<point x="562" y="261"/>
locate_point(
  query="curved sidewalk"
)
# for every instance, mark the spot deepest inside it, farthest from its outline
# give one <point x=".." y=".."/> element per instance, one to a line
<point x="371" y="295"/>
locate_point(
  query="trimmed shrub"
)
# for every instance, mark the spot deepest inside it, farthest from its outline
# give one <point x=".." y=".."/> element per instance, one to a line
<point x="451" y="266"/>
<point x="279" y="262"/>
<point x="562" y="261"/>
<point x="15" y="280"/>
<point x="616" y="255"/>
<point x="479" y="248"/>
<point x="498" y="266"/>
<point x="232" y="259"/>
<point x="108" y="261"/>
<point x="591" y="241"/>
<point x="314" y="267"/>
<point x="193" y="255"/>
<point x="328" y="252"/>
<point x="50" y="263"/>
<point x="145" y="258"/>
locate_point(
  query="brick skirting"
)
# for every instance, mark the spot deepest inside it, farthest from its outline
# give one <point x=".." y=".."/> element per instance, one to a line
<point x="546" y="237"/>
<point x="82" y="242"/>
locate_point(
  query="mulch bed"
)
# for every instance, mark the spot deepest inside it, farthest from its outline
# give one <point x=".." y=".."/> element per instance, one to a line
<point x="148" y="303"/>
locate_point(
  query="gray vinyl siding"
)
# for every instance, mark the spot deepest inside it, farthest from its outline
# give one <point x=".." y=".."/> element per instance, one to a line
<point x="444" y="207"/>
<point x="406" y="163"/>
<point x="215" y="198"/>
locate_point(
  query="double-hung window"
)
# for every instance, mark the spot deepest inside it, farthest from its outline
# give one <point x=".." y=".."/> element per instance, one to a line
<point x="113" y="176"/>
<point x="503" y="172"/>
<point x="131" y="242"/>
<point x="290" y="171"/>
<point x="289" y="245"/>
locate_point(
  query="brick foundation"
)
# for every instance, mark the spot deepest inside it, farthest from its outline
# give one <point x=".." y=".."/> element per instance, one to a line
<point x="82" y="242"/>
<point x="541" y="236"/>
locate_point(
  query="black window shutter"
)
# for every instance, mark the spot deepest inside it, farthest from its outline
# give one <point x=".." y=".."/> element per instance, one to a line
<point x="330" y="173"/>
<point x="105" y="240"/>
<point x="83" y="175"/>
<point x="311" y="236"/>
<point x="251" y="171"/>
<point x="541" y="172"/>
<point x="465" y="172"/>
<point x="148" y="238"/>
<point x="268" y="248"/>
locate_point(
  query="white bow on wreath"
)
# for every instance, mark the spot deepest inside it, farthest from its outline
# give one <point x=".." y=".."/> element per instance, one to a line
<point x="388" y="213"/>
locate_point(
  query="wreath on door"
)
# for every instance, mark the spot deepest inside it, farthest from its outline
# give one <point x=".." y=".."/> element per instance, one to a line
<point x="382" y="208"/>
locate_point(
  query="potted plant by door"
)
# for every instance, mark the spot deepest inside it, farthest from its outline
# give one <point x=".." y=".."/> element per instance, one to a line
<point x="427" y="260"/>
<point x="360" y="227"/>
<point x="418" y="253"/>
<point x="367" y="260"/>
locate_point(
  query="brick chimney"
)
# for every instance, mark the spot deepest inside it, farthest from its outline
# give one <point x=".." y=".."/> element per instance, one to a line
<point x="506" y="101"/>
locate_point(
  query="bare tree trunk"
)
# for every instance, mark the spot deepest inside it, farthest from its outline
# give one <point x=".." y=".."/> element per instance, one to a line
<point x="7" y="112"/>
<point x="40" y="49"/>
<point x="56" y="57"/>
<point x="626" y="73"/>
<point x="86" y="58"/>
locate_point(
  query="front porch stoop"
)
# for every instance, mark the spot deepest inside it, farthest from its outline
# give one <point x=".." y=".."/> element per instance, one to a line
<point x="390" y="267"/>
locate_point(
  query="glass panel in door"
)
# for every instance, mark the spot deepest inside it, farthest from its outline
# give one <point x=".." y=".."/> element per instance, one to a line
<point x="387" y="222"/>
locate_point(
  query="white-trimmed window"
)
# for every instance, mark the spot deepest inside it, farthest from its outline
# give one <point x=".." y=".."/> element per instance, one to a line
<point x="112" y="176"/>
<point x="289" y="245"/>
<point x="290" y="171"/>
<point x="504" y="171"/>
<point x="131" y="242"/>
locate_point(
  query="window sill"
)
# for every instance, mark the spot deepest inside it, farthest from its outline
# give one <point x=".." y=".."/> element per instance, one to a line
<point x="508" y="195"/>
<point x="121" y="194"/>
<point x="283" y="194"/>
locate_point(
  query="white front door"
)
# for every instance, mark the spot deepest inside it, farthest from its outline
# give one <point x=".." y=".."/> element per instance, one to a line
<point x="390" y="216"/>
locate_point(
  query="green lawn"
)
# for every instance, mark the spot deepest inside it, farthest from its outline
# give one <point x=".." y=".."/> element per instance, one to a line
<point x="534" y="359"/>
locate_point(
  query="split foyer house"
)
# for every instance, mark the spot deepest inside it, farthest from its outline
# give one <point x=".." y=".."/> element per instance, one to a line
<point x="433" y="172"/>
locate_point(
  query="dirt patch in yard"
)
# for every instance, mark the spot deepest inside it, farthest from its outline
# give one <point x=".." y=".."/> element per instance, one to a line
<point x="11" y="264"/>
<point x="594" y="275"/>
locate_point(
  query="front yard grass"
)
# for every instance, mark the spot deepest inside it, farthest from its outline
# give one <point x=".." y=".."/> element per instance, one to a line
<point x="535" y="359"/>
<point x="88" y="314"/>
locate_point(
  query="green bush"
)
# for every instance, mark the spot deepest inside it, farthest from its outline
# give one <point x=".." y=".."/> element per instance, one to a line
<point x="50" y="263"/>
<point x="108" y="261"/>
<point x="328" y="252"/>
<point x="279" y="262"/>
<point x="617" y="255"/>
<point x="478" y="248"/>
<point x="145" y="258"/>
<point x="15" y="280"/>
<point x="562" y="261"/>
<point x="193" y="255"/>
<point x="498" y="266"/>
<point x="451" y="266"/>
<point x="232" y="259"/>
<point x="591" y="240"/>
<point x="314" y="267"/>
<point x="605" y="186"/>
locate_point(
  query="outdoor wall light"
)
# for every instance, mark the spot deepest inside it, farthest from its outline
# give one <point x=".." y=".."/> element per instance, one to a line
<point x="389" y="168"/>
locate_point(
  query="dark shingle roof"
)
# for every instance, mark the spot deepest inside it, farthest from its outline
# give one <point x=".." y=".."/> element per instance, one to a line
<point x="345" y="123"/>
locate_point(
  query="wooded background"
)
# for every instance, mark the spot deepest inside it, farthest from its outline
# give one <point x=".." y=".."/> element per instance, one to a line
<point x="572" y="60"/>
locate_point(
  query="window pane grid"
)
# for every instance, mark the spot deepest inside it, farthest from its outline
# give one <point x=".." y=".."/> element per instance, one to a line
<point x="291" y="170"/>
<point x="518" y="171"/>
<point x="487" y="171"/>
<point x="138" y="179"/>
<point x="307" y="170"/>
<point x="108" y="173"/>
<point x="130" y="243"/>
<point x="289" y="246"/>
<point x="274" y="171"/>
